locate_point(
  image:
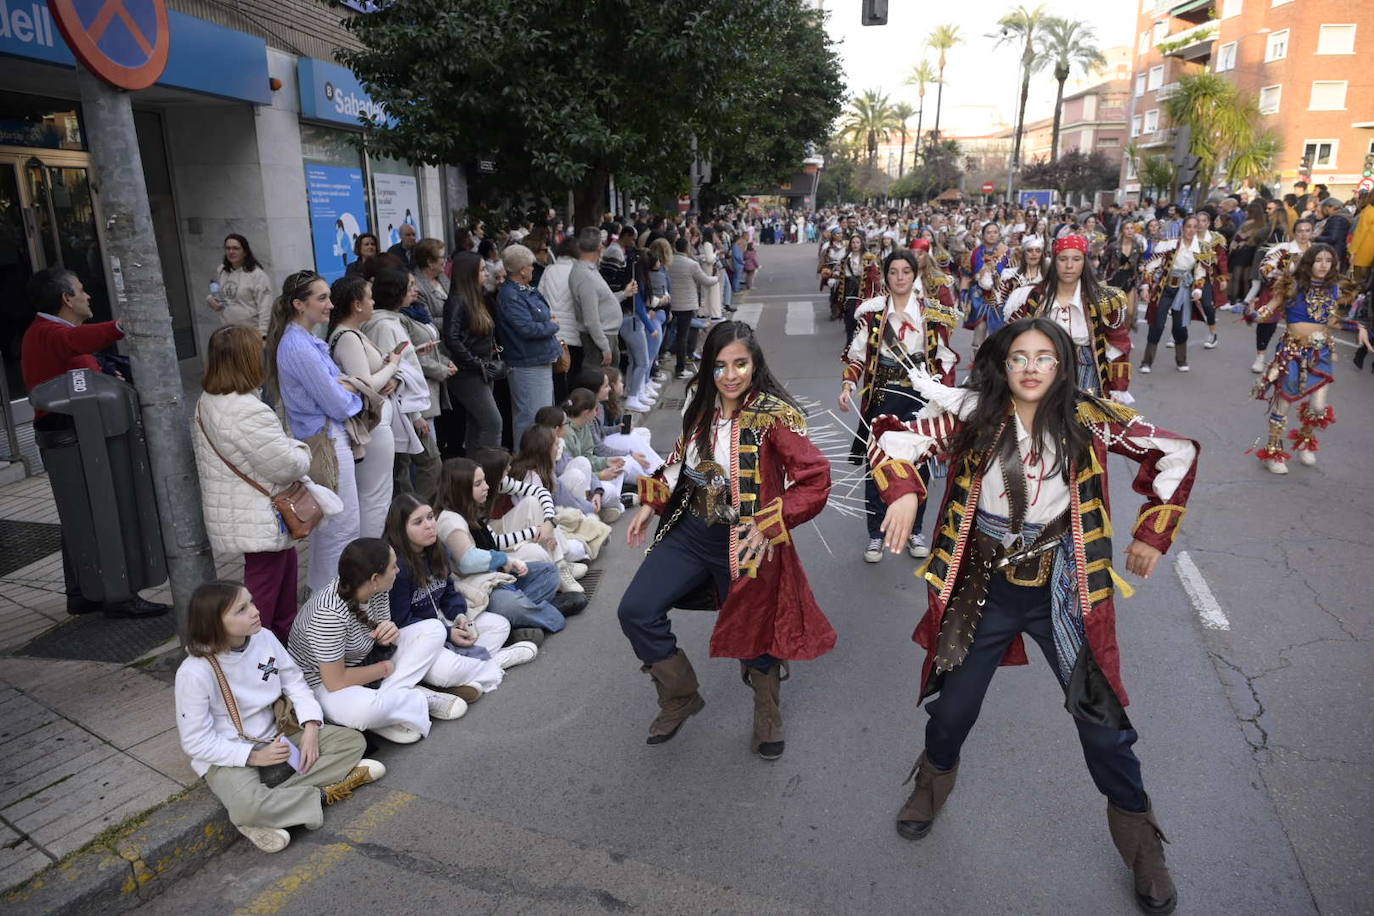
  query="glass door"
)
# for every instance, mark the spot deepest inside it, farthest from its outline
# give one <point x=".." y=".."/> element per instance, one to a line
<point x="16" y="266"/>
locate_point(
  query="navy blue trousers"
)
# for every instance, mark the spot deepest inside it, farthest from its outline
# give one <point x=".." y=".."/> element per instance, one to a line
<point x="905" y="403"/>
<point x="1013" y="609"/>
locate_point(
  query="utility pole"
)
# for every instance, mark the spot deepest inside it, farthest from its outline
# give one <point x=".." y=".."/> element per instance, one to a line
<point x="141" y="298"/>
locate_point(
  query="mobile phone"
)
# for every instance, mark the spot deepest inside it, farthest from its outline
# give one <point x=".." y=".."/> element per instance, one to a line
<point x="400" y="347"/>
<point x="625" y="425"/>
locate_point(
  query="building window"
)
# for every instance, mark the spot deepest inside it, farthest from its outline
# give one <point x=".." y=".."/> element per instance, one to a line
<point x="1156" y="77"/>
<point x="1135" y="126"/>
<point x="1139" y="85"/>
<point x="1144" y="46"/>
<point x="1279" y="2"/>
<point x="1327" y="95"/>
<point x="1160" y="32"/>
<point x="1322" y="152"/>
<point x="1108" y="141"/>
<point x="1269" y="99"/>
<point x="1230" y="8"/>
<point x="1151" y="120"/>
<point x="1336" y="39"/>
<point x="1130" y="169"/>
<point x="1276" y="48"/>
<point x="1226" y="57"/>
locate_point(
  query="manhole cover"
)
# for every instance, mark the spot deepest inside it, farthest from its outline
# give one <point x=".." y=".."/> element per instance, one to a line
<point x="590" y="581"/>
<point x="22" y="543"/>
<point x="97" y="638"/>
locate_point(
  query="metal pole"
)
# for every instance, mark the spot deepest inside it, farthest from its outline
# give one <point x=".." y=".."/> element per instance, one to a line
<point x="141" y="304"/>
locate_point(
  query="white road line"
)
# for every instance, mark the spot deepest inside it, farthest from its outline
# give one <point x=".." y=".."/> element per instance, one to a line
<point x="749" y="314"/>
<point x="801" y="318"/>
<point x="1208" y="608"/>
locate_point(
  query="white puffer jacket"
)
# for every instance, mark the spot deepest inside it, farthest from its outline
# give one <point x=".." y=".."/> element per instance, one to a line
<point x="238" y="518"/>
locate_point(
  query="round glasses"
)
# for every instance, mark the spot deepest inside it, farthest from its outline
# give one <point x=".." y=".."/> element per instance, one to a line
<point x="1042" y="363"/>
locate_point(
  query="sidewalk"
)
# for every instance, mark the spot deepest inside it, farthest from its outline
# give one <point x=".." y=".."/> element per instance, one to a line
<point x="87" y="716"/>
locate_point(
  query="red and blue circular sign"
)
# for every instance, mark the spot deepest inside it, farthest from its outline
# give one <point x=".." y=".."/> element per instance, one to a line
<point x="124" y="42"/>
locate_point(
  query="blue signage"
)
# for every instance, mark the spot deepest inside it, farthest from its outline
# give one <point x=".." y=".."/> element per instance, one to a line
<point x="204" y="57"/>
<point x="330" y="92"/>
<point x="338" y="215"/>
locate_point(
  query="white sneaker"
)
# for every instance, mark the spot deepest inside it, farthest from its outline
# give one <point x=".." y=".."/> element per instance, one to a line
<point x="638" y="406"/>
<point x="567" y="582"/>
<point x="444" y="706"/>
<point x="611" y="512"/>
<point x="873" y="553"/>
<point x="267" y="839"/>
<point x="578" y="569"/>
<point x="1276" y="466"/>
<point x="917" y="546"/>
<point x="398" y="733"/>
<point x="685" y="374"/>
<point x="517" y="653"/>
<point x="375" y="768"/>
<point x="1145" y="367"/>
<point x="1307" y="456"/>
<point x="1169" y="344"/>
<point x="1211" y="343"/>
<point x="1182" y="368"/>
<point x="1258" y="365"/>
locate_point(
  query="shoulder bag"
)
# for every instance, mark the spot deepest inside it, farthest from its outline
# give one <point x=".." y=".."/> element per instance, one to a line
<point x="284" y="721"/>
<point x="299" y="511"/>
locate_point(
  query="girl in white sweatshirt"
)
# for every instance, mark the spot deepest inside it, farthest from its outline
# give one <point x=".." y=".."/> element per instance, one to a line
<point x="230" y="738"/>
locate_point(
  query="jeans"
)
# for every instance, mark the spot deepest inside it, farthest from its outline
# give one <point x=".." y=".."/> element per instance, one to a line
<point x="1013" y="609"/>
<point x="527" y="604"/>
<point x="682" y="336"/>
<point x="903" y="403"/>
<point x="1164" y="310"/>
<point x="653" y="335"/>
<point x="637" y="343"/>
<point x="531" y="387"/>
<point x="469" y="389"/>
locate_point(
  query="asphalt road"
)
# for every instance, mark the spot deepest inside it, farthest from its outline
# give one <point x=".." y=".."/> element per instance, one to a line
<point x="1255" y="740"/>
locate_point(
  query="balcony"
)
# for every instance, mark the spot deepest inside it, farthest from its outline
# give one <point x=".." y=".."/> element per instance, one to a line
<point x="1193" y="44"/>
<point x="1157" y="138"/>
<point x="1194" y="10"/>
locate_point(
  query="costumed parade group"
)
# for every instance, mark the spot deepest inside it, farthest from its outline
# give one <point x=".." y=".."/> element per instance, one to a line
<point x="1023" y="541"/>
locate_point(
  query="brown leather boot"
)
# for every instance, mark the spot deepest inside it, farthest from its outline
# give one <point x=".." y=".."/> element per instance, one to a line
<point x="927" y="798"/>
<point x="767" y="740"/>
<point x="678" y="699"/>
<point x="1141" y="843"/>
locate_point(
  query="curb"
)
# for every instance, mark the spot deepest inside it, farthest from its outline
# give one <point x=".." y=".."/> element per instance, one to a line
<point x="131" y="863"/>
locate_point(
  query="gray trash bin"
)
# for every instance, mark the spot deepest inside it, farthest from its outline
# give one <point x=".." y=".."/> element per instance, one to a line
<point x="103" y="484"/>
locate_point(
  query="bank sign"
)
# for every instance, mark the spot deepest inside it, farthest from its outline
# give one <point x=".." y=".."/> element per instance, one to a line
<point x="330" y="92"/>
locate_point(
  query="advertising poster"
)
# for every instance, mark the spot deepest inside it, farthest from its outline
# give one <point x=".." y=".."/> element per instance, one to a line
<point x="398" y="204"/>
<point x="338" y="214"/>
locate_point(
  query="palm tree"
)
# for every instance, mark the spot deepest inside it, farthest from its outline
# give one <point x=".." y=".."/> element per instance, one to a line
<point x="902" y="113"/>
<point x="869" y="120"/>
<point x="1066" y="43"/>
<point x="1222" y="124"/>
<point x="1021" y="26"/>
<point x="921" y="75"/>
<point x="942" y="39"/>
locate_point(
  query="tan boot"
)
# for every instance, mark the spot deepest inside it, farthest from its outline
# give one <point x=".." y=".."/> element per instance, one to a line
<point x="678" y="698"/>
<point x="927" y="798"/>
<point x="767" y="740"/>
<point x="1141" y="843"/>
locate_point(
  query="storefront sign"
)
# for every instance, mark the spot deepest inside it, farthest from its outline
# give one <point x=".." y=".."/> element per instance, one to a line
<point x="332" y="93"/>
<point x="124" y="42"/>
<point x="203" y="57"/>
<point x="398" y="204"/>
<point x="338" y="215"/>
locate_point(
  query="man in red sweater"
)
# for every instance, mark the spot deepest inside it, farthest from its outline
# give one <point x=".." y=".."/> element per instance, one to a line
<point x="59" y="340"/>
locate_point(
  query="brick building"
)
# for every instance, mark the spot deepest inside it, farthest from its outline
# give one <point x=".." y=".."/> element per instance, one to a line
<point x="1299" y="57"/>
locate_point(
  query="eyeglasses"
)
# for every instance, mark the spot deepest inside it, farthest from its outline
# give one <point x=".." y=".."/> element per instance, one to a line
<point x="1042" y="363"/>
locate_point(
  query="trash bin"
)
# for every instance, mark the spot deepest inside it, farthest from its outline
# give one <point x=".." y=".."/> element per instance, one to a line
<point x="102" y="481"/>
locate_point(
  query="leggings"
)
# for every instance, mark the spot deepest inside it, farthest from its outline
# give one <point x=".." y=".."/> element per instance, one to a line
<point x="1264" y="333"/>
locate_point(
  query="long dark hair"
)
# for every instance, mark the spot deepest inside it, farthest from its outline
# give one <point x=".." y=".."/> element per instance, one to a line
<point x="250" y="263"/>
<point x="467" y="288"/>
<point x="346" y="292"/>
<point x="1301" y="280"/>
<point x="1056" y="418"/>
<point x="455" y="490"/>
<point x="495" y="462"/>
<point x="536" y="454"/>
<point x="1090" y="290"/>
<point x="423" y="563"/>
<point x="696" y="420"/>
<point x="360" y="561"/>
<point x="389" y="288"/>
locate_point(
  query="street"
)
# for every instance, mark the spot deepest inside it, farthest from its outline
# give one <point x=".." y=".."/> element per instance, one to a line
<point x="1255" y="739"/>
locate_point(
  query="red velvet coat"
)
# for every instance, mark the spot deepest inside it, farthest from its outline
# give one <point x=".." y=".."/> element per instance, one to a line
<point x="780" y="480"/>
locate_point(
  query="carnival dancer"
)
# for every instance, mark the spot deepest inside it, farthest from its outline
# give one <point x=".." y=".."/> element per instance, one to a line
<point x="1026" y="268"/>
<point x="1123" y="267"/>
<point x="1097" y="318"/>
<point x="1214" y="293"/>
<point x="851" y="274"/>
<point x="910" y="324"/>
<point x="828" y="269"/>
<point x="1172" y="282"/>
<point x="1025" y="547"/>
<point x="741" y="478"/>
<point x="982" y="267"/>
<point x="1280" y="261"/>
<point x="1303" y="364"/>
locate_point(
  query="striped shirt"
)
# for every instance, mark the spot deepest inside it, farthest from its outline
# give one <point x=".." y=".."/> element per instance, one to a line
<point x="326" y="631"/>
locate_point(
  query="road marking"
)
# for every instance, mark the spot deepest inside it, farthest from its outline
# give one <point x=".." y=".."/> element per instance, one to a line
<point x="749" y="314"/>
<point x="1208" y="608"/>
<point x="801" y="318"/>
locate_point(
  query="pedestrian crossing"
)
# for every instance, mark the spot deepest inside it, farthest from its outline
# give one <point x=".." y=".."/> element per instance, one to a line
<point x="801" y="319"/>
<point x="749" y="314"/>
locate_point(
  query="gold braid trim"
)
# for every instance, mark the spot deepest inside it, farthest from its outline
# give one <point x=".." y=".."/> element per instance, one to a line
<point x="768" y="410"/>
<point x="769" y="521"/>
<point x="1161" y="516"/>
<point x="653" y="492"/>
<point x="1100" y="410"/>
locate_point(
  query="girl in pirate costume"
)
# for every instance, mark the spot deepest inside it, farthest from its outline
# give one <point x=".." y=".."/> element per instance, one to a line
<point x="742" y="476"/>
<point x="1096" y="317"/>
<point x="982" y="267"/>
<point x="828" y="269"/>
<point x="851" y="274"/>
<point x="1304" y="361"/>
<point x="910" y="324"/>
<point x="1172" y="281"/>
<point x="1025" y="547"/>
<point x="1279" y="261"/>
<point x="1027" y="268"/>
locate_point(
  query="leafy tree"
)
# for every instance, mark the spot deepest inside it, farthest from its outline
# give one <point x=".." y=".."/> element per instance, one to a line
<point x="903" y="112"/>
<point x="1021" y="26"/>
<point x="1064" y="44"/>
<point x="1223" y="124"/>
<point x="941" y="169"/>
<point x="921" y="75"/>
<point x="941" y="40"/>
<point x="562" y="94"/>
<point x="869" y="120"/>
<point x="1074" y="172"/>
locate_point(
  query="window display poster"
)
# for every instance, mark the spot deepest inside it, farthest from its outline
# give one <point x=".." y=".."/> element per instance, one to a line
<point x="398" y="204"/>
<point x="338" y="215"/>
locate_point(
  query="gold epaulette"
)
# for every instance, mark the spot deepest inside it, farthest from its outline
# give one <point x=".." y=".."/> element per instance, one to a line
<point x="767" y="410"/>
<point x="1101" y="410"/>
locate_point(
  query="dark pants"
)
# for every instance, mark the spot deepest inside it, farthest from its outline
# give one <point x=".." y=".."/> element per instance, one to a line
<point x="689" y="557"/>
<point x="682" y="337"/>
<point x="1013" y="609"/>
<point x="1163" y="311"/>
<point x="483" y="428"/>
<point x="270" y="578"/>
<point x="903" y="403"/>
<point x="1264" y="333"/>
<point x="1209" y="305"/>
<point x="592" y="354"/>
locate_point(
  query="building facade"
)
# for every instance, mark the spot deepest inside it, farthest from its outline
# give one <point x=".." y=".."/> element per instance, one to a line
<point x="1298" y="57"/>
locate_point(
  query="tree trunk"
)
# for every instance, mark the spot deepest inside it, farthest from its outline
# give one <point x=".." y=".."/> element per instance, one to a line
<point x="1020" y="120"/>
<point x="1060" y="75"/>
<point x="920" y="115"/>
<point x="939" y="100"/>
<point x="589" y="196"/>
<point x="901" y="157"/>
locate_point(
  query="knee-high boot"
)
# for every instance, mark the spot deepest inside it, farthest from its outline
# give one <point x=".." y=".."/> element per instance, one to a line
<point x="1141" y="843"/>
<point x="678" y="698"/>
<point x="767" y="740"/>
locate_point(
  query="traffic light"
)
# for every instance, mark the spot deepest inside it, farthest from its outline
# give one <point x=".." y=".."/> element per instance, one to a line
<point x="875" y="12"/>
<point x="1369" y="166"/>
<point x="1305" y="168"/>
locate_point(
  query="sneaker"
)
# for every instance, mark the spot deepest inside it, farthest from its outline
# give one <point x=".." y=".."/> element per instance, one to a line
<point x="1169" y="344"/>
<point x="1211" y="343"/>
<point x="610" y="513"/>
<point x="629" y="500"/>
<point x="567" y="582"/>
<point x="443" y="706"/>
<point x="1307" y="456"/>
<point x="569" y="604"/>
<point x="1182" y="368"/>
<point x="365" y="772"/>
<point x="267" y="839"/>
<point x="917" y="546"/>
<point x="684" y="375"/>
<point x="517" y="654"/>
<point x="468" y="693"/>
<point x="398" y="733"/>
<point x="634" y="406"/>
<point x="1258" y="365"/>
<point x="534" y="634"/>
<point x="578" y="570"/>
<point x="1276" y="466"/>
<point x="874" y="552"/>
<point x="1145" y="367"/>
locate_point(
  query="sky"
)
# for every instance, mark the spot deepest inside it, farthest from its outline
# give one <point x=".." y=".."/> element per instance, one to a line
<point x="981" y="81"/>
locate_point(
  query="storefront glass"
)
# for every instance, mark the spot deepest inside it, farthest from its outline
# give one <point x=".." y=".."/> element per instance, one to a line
<point x="337" y="192"/>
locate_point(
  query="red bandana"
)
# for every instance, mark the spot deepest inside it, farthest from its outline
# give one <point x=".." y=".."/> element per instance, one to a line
<point x="920" y="245"/>
<point x="1071" y="241"/>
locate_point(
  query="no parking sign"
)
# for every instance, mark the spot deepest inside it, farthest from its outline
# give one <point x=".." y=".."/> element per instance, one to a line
<point x="124" y="42"/>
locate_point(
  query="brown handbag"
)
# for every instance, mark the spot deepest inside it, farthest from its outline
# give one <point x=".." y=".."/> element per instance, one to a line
<point x="299" y="511"/>
<point x="564" y="361"/>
